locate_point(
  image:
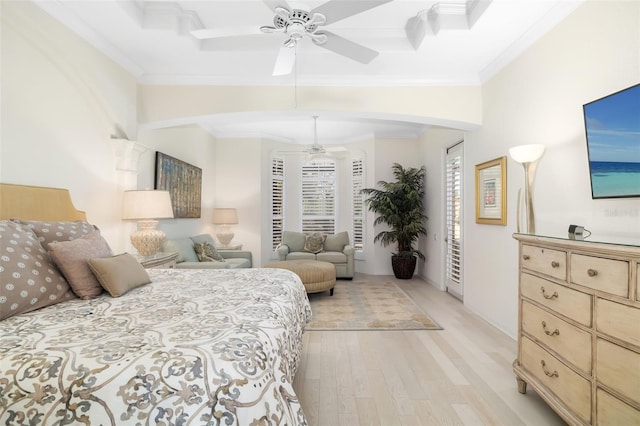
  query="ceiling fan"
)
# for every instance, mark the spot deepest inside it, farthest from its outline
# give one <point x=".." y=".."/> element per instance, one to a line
<point x="297" y="23"/>
<point x="316" y="150"/>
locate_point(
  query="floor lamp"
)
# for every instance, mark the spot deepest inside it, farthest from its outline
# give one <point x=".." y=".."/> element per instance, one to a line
<point x="528" y="156"/>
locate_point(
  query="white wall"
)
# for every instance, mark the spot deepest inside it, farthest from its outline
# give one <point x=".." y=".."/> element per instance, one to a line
<point x="433" y="147"/>
<point x="194" y="146"/>
<point x="538" y="99"/>
<point x="61" y="102"/>
<point x="239" y="182"/>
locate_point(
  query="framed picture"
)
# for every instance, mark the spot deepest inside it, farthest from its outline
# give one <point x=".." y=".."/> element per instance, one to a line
<point x="184" y="183"/>
<point x="491" y="192"/>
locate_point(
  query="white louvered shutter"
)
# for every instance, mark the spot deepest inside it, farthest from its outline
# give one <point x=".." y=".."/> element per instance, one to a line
<point x="319" y="196"/>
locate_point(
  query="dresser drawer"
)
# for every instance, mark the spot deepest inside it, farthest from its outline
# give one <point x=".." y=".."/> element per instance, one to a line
<point x="618" y="368"/>
<point x="559" y="335"/>
<point x="572" y="389"/>
<point x="611" y="276"/>
<point x="545" y="261"/>
<point x="613" y="412"/>
<point x="618" y="320"/>
<point x="568" y="302"/>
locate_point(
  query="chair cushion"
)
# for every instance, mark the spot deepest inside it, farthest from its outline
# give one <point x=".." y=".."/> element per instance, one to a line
<point x="332" y="257"/>
<point x="336" y="242"/>
<point x="203" y="238"/>
<point x="238" y="262"/>
<point x="182" y="246"/>
<point x="294" y="240"/>
<point x="301" y="255"/>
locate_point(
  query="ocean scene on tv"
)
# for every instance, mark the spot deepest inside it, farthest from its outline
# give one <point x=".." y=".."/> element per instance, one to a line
<point x="613" y="143"/>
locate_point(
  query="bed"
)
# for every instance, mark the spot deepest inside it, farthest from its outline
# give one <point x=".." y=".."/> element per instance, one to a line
<point x="193" y="347"/>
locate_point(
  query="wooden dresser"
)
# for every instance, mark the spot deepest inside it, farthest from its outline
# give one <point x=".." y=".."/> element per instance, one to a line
<point x="579" y="328"/>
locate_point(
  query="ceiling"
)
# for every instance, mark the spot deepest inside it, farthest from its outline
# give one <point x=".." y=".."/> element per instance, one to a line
<point x="153" y="41"/>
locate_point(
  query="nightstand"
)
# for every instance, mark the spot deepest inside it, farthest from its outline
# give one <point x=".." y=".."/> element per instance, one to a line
<point x="158" y="260"/>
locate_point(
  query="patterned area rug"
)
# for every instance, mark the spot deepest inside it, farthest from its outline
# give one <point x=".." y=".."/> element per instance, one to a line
<point x="362" y="305"/>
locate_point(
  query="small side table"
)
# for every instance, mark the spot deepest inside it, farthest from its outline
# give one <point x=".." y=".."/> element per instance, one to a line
<point x="158" y="260"/>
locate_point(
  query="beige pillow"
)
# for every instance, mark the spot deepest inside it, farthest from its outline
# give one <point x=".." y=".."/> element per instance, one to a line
<point x="28" y="278"/>
<point x="71" y="258"/>
<point x="119" y="274"/>
<point x="314" y="243"/>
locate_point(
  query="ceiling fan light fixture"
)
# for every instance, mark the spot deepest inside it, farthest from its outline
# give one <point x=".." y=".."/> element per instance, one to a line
<point x="318" y="38"/>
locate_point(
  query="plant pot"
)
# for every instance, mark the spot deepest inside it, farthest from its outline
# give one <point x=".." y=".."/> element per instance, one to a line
<point x="403" y="266"/>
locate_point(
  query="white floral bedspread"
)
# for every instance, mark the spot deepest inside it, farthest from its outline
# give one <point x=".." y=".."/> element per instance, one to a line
<point x="194" y="347"/>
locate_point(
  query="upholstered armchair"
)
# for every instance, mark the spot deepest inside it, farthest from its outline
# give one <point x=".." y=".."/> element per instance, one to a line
<point x="336" y="250"/>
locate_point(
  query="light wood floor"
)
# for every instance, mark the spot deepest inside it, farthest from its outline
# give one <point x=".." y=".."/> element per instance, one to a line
<point x="457" y="376"/>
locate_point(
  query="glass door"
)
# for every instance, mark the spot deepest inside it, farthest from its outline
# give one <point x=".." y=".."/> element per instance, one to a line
<point x="453" y="216"/>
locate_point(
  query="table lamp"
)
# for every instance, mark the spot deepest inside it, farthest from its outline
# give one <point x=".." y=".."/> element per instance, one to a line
<point x="146" y="207"/>
<point x="224" y="217"/>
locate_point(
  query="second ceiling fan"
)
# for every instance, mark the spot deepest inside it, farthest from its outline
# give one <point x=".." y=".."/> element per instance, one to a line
<point x="297" y="23"/>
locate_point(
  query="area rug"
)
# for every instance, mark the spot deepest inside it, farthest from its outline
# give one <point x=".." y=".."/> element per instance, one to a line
<point x="362" y="305"/>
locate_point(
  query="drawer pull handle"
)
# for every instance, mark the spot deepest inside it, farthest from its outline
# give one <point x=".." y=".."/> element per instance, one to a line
<point x="547" y="372"/>
<point x="592" y="272"/>
<point x="546" y="296"/>
<point x="555" y="264"/>
<point x="555" y="332"/>
<point x="526" y="257"/>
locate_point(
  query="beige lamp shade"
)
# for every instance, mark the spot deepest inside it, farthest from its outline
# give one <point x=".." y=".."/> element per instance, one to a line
<point x="224" y="217"/>
<point x="146" y="206"/>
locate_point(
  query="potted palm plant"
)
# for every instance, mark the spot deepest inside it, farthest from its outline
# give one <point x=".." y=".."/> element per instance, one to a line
<point x="399" y="205"/>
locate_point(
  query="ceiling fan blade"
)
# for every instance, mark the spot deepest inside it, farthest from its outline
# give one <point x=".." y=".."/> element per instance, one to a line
<point x="207" y="33"/>
<point x="285" y="61"/>
<point x="348" y="48"/>
<point x="336" y="10"/>
<point x="273" y="4"/>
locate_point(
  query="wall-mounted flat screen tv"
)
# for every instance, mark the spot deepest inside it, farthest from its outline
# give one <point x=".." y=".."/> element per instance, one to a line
<point x="613" y="144"/>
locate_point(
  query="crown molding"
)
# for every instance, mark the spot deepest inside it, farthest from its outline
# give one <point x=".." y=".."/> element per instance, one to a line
<point x="57" y="10"/>
<point x="333" y="80"/>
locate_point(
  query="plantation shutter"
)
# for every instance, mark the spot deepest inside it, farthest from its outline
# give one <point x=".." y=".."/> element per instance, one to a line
<point x="453" y="220"/>
<point x="277" y="200"/>
<point x="358" y="206"/>
<point x="319" y="196"/>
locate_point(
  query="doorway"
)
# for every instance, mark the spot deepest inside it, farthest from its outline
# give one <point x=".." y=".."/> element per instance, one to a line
<point x="453" y="219"/>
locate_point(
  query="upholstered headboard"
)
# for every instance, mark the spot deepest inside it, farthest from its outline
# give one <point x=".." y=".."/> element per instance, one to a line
<point x="37" y="203"/>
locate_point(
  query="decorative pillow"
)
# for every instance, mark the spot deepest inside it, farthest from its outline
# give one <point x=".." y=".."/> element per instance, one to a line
<point x="336" y="242"/>
<point x="314" y="243"/>
<point x="51" y="232"/>
<point x="28" y="278"/>
<point x="207" y="252"/>
<point x="71" y="258"/>
<point x="119" y="274"/>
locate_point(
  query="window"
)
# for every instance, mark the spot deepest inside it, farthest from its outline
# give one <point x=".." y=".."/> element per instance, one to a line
<point x="358" y="206"/>
<point x="311" y="191"/>
<point x="277" y="200"/>
<point x="319" y="196"/>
